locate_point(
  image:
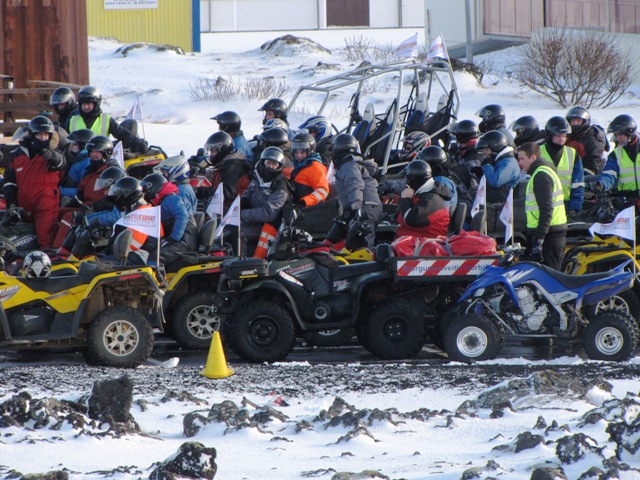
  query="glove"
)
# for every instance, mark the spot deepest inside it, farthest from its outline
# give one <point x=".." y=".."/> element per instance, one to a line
<point x="78" y="217"/>
<point x="347" y="215"/>
<point x="46" y="154"/>
<point x="536" y="252"/>
<point x="477" y="171"/>
<point x="8" y="212"/>
<point x="487" y="161"/>
<point x="598" y="187"/>
<point x="300" y="204"/>
<point x="142" y="145"/>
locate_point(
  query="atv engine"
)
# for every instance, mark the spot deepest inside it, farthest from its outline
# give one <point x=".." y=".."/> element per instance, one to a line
<point x="533" y="311"/>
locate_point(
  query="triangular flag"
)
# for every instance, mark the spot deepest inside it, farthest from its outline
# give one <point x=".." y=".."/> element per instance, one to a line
<point x="408" y="48"/>
<point x="623" y="225"/>
<point x="231" y="218"/>
<point x="216" y="205"/>
<point x="437" y="50"/>
<point x="331" y="174"/>
<point x="507" y="217"/>
<point x="118" y="154"/>
<point x="481" y="197"/>
<point x="136" y="111"/>
<point x="144" y="220"/>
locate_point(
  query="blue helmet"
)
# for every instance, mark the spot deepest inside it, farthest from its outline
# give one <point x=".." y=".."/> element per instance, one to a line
<point x="175" y="169"/>
<point x="318" y="125"/>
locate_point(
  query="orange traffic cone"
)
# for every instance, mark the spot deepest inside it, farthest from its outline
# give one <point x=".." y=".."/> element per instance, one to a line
<point x="216" y="366"/>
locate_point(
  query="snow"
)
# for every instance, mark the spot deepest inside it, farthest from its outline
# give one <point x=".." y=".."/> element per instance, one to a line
<point x="410" y="449"/>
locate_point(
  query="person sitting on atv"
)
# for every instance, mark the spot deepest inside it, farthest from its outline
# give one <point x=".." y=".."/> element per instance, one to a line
<point x="262" y="203"/>
<point x="64" y="103"/>
<point x="494" y="118"/>
<point x="181" y="231"/>
<point x="32" y="178"/>
<point x="463" y="152"/>
<point x="176" y="170"/>
<point x="274" y="137"/>
<point x="499" y="166"/>
<point x="411" y="146"/>
<point x="590" y="141"/>
<point x="309" y="175"/>
<point x="90" y="116"/>
<point x="440" y="165"/>
<point x="423" y="210"/>
<point x="319" y="128"/>
<point x="527" y="129"/>
<point x="357" y="190"/>
<point x="231" y="123"/>
<point x="77" y="163"/>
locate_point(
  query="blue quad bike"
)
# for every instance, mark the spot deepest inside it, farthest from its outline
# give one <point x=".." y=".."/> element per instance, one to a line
<point x="528" y="300"/>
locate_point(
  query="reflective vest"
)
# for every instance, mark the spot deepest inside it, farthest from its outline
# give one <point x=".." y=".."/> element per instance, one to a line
<point x="559" y="216"/>
<point x="629" y="176"/>
<point x="99" y="127"/>
<point x="564" y="168"/>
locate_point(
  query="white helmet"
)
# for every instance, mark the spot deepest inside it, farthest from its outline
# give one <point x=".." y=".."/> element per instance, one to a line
<point x="37" y="265"/>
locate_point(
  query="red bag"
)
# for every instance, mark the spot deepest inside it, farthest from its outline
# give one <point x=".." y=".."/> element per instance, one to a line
<point x="472" y="243"/>
<point x="411" y="246"/>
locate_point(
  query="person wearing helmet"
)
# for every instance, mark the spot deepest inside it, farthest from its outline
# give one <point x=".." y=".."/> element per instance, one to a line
<point x="423" y="210"/>
<point x="77" y="163"/>
<point x="527" y="130"/>
<point x="412" y="143"/>
<point x="590" y="141"/>
<point x="357" y="190"/>
<point x="176" y="170"/>
<point x="262" y="203"/>
<point x="567" y="162"/>
<point x="499" y="166"/>
<point x="90" y="116"/>
<point x="37" y="264"/>
<point x="320" y="129"/>
<point x="230" y="122"/>
<point x="63" y="101"/>
<point x="309" y="175"/>
<point x="494" y="118"/>
<point x="440" y="165"/>
<point x="622" y="167"/>
<point x="181" y="231"/>
<point x="544" y="205"/>
<point x="274" y="108"/>
<point x="274" y="137"/>
<point x="32" y="178"/>
<point x="463" y="152"/>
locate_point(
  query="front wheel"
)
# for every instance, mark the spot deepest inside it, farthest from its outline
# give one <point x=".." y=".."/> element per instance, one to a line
<point x="261" y="332"/>
<point x="610" y="336"/>
<point x="119" y="337"/>
<point x="472" y="337"/>
<point x="195" y="318"/>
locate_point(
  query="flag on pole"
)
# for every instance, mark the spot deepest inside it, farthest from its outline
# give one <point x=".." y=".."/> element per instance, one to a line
<point x="408" y="48"/>
<point x="437" y="50"/>
<point x="144" y="220"/>
<point x="231" y="218"/>
<point x="118" y="154"/>
<point x="507" y="217"/>
<point x="331" y="174"/>
<point x="136" y="111"/>
<point x="481" y="197"/>
<point x="216" y="205"/>
<point x="623" y="225"/>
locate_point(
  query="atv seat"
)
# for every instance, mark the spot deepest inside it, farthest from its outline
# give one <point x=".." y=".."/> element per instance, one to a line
<point x="89" y="270"/>
<point x="53" y="284"/>
<point x="457" y="219"/>
<point x="572" y="281"/>
<point x="356" y="269"/>
<point x="417" y="117"/>
<point x="366" y="126"/>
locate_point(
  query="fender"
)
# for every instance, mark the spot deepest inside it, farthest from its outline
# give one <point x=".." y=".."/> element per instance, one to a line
<point x="273" y="285"/>
<point x="211" y="268"/>
<point x="359" y="285"/>
<point x="488" y="278"/>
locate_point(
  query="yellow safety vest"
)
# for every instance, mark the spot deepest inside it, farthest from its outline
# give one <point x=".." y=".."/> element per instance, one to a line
<point x="559" y="216"/>
<point x="99" y="127"/>
<point x="564" y="168"/>
<point x="629" y="176"/>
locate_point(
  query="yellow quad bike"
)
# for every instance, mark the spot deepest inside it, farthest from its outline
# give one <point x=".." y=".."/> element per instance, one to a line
<point x="108" y="310"/>
<point x="139" y="165"/>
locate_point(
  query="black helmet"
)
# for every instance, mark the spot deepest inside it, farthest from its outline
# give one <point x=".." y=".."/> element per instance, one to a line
<point x="274" y="154"/>
<point x="494" y="139"/>
<point x="40" y="124"/>
<point x="81" y="137"/>
<point x="623" y="125"/>
<point x="228" y="121"/>
<point x="151" y="185"/>
<point x="222" y="143"/>
<point x="465" y="130"/>
<point x="437" y="159"/>
<point x="527" y="130"/>
<point x="131" y="125"/>
<point x="413" y="143"/>
<point x="303" y="141"/>
<point x="37" y="265"/>
<point x="125" y="193"/>
<point x="344" y="143"/>
<point x="64" y="97"/>
<point x="273" y="137"/>
<point x="277" y="106"/>
<point x="101" y="144"/>
<point x="109" y="176"/>
<point x="493" y="117"/>
<point x="556" y="126"/>
<point x="90" y="94"/>
<point x="579" y="113"/>
<point x="418" y="172"/>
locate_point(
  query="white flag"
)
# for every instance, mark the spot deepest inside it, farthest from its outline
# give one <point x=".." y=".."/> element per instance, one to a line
<point x="331" y="174"/>
<point x="481" y="197"/>
<point x="118" y="154"/>
<point x="408" y="48"/>
<point x="507" y="217"/>
<point x="231" y="218"/>
<point x="136" y="111"/>
<point x="216" y="205"/>
<point x="437" y="50"/>
<point x="144" y="220"/>
<point x="624" y="225"/>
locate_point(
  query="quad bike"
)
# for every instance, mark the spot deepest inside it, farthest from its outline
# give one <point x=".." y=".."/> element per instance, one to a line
<point x="108" y="310"/>
<point x="529" y="300"/>
<point x="139" y="165"/>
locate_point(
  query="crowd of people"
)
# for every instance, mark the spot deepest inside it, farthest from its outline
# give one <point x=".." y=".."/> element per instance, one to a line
<point x="63" y="175"/>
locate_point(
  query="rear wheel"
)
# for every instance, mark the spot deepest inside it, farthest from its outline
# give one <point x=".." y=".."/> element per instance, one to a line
<point x="261" y="332"/>
<point x="394" y="331"/>
<point x="195" y="318"/>
<point x="472" y="337"/>
<point x="610" y="336"/>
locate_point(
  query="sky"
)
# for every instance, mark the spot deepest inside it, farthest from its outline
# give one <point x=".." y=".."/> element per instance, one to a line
<point x="177" y="122"/>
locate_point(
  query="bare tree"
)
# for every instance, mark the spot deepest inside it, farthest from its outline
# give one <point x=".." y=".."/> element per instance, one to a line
<point x="575" y="68"/>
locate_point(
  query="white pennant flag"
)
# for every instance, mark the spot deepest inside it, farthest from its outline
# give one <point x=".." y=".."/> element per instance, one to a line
<point x="136" y="111"/>
<point x="437" y="50"/>
<point x="624" y="225"/>
<point x="216" y="205"/>
<point x="144" y="220"/>
<point x="408" y="48"/>
<point x="231" y="218"/>
<point x="118" y="154"/>
<point x="481" y="197"/>
<point x="331" y="174"/>
<point x="507" y="217"/>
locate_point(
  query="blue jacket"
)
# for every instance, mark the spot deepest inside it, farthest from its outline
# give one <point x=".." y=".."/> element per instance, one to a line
<point x="174" y="216"/>
<point x="242" y="145"/>
<point x="106" y="218"/>
<point x="188" y="196"/>
<point x="69" y="188"/>
<point x="501" y="176"/>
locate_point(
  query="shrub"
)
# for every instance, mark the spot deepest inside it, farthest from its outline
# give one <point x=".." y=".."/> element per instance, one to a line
<point x="361" y="48"/>
<point x="228" y="89"/>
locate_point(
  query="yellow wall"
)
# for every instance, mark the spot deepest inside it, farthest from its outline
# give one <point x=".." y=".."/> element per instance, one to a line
<point x="169" y="24"/>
